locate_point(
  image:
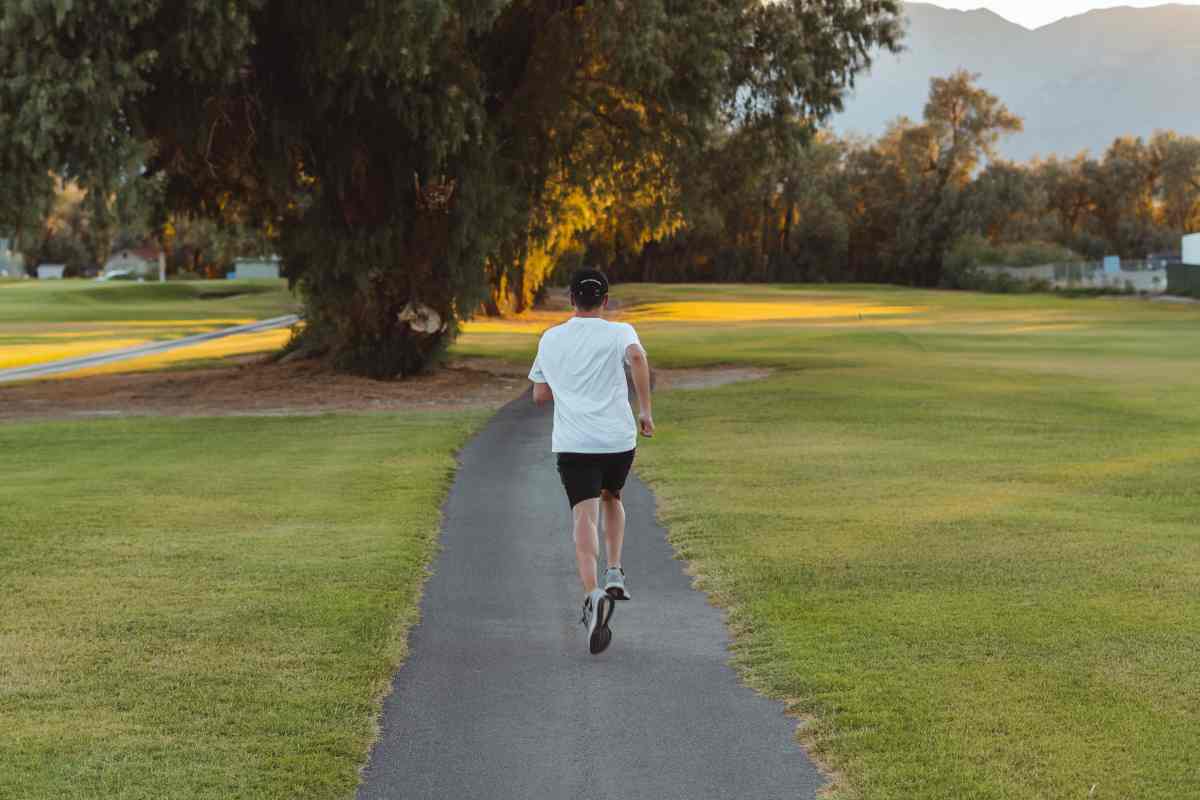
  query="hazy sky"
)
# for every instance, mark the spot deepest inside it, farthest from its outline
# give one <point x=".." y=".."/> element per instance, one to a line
<point x="1035" y="13"/>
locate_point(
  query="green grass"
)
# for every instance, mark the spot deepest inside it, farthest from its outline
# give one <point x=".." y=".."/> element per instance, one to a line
<point x="962" y="543"/>
<point x="209" y="608"/>
<point x="117" y="301"/>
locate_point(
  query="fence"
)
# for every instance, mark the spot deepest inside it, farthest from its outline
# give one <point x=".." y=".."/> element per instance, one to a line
<point x="1139" y="276"/>
<point x="1184" y="279"/>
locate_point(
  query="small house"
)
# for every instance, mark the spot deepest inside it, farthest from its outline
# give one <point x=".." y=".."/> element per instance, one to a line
<point x="134" y="261"/>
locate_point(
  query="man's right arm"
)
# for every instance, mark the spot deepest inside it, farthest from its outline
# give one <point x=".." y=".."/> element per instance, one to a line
<point x="639" y="368"/>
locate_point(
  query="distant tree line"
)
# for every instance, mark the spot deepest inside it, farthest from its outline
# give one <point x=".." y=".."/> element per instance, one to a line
<point x="82" y="230"/>
<point x="919" y="205"/>
<point x="914" y="206"/>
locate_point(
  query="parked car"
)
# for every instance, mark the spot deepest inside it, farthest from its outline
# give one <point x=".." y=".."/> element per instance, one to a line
<point x="118" y="275"/>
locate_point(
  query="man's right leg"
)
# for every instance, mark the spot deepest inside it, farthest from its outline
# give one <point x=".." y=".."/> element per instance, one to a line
<point x="581" y="477"/>
<point x="597" y="606"/>
<point x="587" y="544"/>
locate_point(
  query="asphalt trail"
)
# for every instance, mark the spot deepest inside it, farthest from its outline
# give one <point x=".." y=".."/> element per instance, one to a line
<point x="500" y="698"/>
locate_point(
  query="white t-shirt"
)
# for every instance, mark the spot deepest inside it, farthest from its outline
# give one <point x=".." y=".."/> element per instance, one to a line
<point x="583" y="360"/>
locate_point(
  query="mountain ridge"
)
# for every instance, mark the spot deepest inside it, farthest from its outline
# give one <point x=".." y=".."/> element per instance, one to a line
<point x="1078" y="82"/>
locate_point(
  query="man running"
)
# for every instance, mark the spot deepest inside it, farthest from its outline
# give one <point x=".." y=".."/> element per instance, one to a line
<point x="580" y="365"/>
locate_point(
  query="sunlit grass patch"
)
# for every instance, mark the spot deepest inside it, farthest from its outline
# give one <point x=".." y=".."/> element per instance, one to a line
<point x="89" y="340"/>
<point x="204" y="352"/>
<point x="163" y="324"/>
<point x="22" y="355"/>
<point x="734" y="311"/>
<point x="534" y="322"/>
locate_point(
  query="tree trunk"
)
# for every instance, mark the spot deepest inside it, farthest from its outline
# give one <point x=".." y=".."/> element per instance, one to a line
<point x="379" y="301"/>
<point x="765" y="246"/>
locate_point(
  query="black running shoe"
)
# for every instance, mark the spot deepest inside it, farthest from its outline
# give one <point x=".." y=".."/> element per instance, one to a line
<point x="597" y="611"/>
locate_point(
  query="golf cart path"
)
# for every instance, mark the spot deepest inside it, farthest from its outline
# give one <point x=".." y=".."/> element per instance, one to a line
<point x="499" y="697"/>
<point x="151" y="348"/>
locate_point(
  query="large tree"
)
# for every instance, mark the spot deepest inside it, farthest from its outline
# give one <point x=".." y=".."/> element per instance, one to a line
<point x="962" y="124"/>
<point x="404" y="150"/>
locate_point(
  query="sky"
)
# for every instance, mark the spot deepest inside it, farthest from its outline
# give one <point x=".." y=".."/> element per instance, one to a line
<point x="1036" y="13"/>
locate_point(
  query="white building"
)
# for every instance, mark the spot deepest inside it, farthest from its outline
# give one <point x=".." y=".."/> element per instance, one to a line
<point x="1191" y="250"/>
<point x="244" y="268"/>
<point x="50" y="272"/>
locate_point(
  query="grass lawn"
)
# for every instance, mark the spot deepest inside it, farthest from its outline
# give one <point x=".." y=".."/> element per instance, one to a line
<point x="50" y="320"/>
<point x="959" y="534"/>
<point x="209" y="608"/>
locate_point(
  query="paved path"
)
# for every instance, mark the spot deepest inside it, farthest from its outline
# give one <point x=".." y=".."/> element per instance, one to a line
<point x="500" y="699"/>
<point x="112" y="356"/>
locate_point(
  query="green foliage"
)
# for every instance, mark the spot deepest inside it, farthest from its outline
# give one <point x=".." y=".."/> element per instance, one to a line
<point x="206" y="248"/>
<point x="975" y="250"/>
<point x="816" y="208"/>
<point x="81" y="229"/>
<point x="403" y="152"/>
<point x="924" y="204"/>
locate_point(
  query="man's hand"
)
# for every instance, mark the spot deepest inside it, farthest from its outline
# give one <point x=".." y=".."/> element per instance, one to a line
<point x="542" y="393"/>
<point x="646" y="424"/>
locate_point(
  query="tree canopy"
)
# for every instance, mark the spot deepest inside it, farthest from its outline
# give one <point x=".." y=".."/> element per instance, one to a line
<point x="413" y="157"/>
<point x="917" y="204"/>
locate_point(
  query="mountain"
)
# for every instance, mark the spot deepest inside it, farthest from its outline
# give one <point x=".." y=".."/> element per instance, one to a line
<point x="1078" y="83"/>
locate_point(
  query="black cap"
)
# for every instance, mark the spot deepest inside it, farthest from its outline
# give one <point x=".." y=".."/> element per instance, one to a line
<point x="589" y="286"/>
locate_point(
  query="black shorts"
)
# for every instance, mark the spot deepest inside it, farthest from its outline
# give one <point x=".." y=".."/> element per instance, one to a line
<point x="585" y="474"/>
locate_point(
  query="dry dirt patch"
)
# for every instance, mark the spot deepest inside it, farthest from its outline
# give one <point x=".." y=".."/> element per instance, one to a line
<point x="250" y="386"/>
<point x="707" y="378"/>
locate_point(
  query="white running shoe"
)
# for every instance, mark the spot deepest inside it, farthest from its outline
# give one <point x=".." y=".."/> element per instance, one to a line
<point x="614" y="584"/>
<point x="597" y="611"/>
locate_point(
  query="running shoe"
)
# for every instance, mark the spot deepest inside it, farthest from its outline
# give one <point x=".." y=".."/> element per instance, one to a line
<point x="614" y="584"/>
<point x="597" y="611"/>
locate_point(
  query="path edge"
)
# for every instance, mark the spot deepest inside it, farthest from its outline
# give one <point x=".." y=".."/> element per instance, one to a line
<point x="836" y="786"/>
<point x="403" y="635"/>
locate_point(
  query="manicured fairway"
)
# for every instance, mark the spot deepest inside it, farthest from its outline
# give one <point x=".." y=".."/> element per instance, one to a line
<point x="47" y="321"/>
<point x="960" y="536"/>
<point x="209" y="608"/>
<point x="122" y="301"/>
